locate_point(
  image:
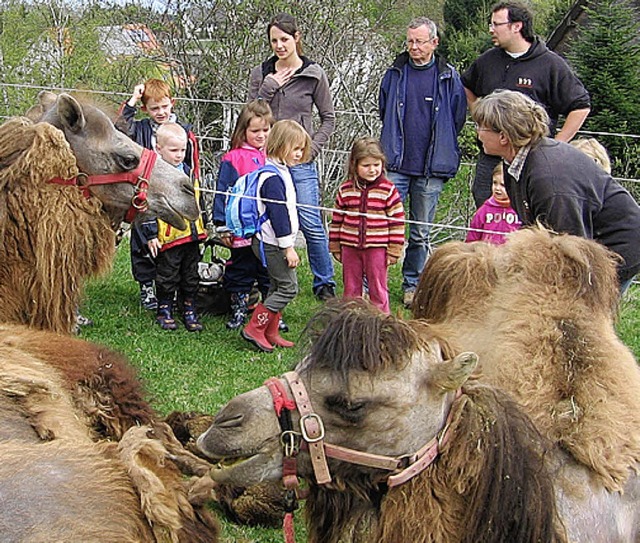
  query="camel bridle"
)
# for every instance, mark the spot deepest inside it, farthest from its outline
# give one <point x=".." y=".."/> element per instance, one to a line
<point x="138" y="177"/>
<point x="312" y="437"/>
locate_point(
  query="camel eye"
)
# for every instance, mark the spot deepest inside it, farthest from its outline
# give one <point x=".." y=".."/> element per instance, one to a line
<point x="127" y="161"/>
<point x="351" y="411"/>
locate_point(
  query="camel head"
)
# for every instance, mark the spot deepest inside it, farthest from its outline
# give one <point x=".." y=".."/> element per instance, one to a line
<point x="101" y="149"/>
<point x="379" y="385"/>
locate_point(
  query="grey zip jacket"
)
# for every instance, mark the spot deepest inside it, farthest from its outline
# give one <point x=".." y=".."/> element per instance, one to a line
<point x="309" y="86"/>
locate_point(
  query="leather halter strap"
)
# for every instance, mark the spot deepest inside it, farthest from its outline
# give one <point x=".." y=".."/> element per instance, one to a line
<point x="403" y="467"/>
<point x="139" y="177"/>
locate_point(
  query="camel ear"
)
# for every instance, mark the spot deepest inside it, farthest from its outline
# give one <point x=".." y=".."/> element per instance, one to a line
<point x="70" y="113"/>
<point x="46" y="100"/>
<point x="452" y="374"/>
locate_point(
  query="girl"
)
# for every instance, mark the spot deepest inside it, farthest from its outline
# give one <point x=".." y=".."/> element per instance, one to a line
<point x="293" y="85"/>
<point x="496" y="215"/>
<point x="247" y="153"/>
<point x="288" y="145"/>
<point x="367" y="233"/>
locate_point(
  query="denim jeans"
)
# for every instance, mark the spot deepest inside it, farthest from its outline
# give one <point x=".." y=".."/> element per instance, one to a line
<point x="423" y="197"/>
<point x="305" y="179"/>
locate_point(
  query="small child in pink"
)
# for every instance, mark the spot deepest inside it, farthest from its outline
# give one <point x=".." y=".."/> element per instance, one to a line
<point x="496" y="215"/>
<point x="367" y="233"/>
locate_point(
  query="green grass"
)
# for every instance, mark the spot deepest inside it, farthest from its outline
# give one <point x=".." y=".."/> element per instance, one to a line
<point x="189" y="371"/>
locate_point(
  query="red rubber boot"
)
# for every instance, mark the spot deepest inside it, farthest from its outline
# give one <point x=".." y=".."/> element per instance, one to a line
<point x="254" y="332"/>
<point x="273" y="332"/>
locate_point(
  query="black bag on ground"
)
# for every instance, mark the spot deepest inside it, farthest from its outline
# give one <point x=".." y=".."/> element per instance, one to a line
<point x="212" y="299"/>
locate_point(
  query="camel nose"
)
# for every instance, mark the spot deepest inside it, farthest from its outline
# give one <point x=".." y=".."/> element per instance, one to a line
<point x="229" y="421"/>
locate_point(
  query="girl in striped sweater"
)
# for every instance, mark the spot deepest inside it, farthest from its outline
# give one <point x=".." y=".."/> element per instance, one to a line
<point x="367" y="228"/>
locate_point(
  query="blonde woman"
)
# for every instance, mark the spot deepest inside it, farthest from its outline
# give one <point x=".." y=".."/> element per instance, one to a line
<point x="553" y="182"/>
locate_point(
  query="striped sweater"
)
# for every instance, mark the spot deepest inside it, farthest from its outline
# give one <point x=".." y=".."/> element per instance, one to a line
<point x="383" y="225"/>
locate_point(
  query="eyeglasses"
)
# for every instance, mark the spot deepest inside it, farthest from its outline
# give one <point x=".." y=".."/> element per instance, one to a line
<point x="493" y="25"/>
<point x="483" y="129"/>
<point x="417" y="43"/>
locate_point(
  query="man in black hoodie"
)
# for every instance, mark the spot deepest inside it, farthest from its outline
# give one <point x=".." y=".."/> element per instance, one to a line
<point x="521" y="62"/>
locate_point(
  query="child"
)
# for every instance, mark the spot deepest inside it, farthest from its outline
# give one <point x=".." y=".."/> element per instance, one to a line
<point x="367" y="244"/>
<point x="176" y="251"/>
<point x="593" y="148"/>
<point x="495" y="215"/>
<point x="247" y="153"/>
<point x="158" y="103"/>
<point x="288" y="144"/>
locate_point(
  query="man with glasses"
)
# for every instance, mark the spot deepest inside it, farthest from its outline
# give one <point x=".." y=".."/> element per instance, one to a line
<point x="423" y="109"/>
<point x="521" y="62"/>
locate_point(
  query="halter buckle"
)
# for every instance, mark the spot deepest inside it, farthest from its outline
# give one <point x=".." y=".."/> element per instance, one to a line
<point x="319" y="430"/>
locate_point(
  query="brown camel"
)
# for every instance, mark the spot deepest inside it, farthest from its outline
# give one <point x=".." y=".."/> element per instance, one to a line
<point x="415" y="450"/>
<point x="540" y="311"/>
<point x="52" y="237"/>
<point x="59" y="398"/>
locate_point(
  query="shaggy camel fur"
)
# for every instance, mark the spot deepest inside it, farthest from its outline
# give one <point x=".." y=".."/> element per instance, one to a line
<point x="42" y="226"/>
<point x="256" y="505"/>
<point x="46" y="486"/>
<point x="102" y="383"/>
<point x="539" y="311"/>
<point x="385" y="386"/>
<point x="38" y="410"/>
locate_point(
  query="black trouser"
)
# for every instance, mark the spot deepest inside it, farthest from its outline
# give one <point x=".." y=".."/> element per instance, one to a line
<point x="242" y="270"/>
<point x="481" y="188"/>
<point x="143" y="265"/>
<point x="177" y="271"/>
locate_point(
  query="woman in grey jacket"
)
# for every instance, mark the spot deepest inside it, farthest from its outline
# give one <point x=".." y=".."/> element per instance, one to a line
<point x="292" y="85"/>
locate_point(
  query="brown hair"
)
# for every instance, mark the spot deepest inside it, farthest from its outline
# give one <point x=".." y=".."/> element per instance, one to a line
<point x="364" y="148"/>
<point x="256" y="108"/>
<point x="287" y="23"/>
<point x="518" y="12"/>
<point x="284" y="136"/>
<point x="155" y="89"/>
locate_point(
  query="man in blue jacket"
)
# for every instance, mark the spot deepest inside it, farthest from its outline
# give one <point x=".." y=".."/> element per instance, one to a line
<point x="423" y="108"/>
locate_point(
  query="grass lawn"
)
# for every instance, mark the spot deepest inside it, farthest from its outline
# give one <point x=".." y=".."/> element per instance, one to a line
<point x="201" y="372"/>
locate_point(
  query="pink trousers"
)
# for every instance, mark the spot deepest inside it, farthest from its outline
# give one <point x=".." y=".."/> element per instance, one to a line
<point x="372" y="263"/>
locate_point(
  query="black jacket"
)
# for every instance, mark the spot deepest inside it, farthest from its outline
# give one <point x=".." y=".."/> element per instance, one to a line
<point x="539" y="73"/>
<point x="568" y="192"/>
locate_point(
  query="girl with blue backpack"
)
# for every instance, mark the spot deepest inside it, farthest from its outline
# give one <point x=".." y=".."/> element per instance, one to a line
<point x="288" y="145"/>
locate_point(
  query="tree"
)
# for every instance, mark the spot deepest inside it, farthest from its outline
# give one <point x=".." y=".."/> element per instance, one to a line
<point x="606" y="56"/>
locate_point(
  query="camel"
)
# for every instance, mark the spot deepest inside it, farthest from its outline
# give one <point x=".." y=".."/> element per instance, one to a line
<point x="54" y="235"/>
<point x="75" y="429"/>
<point x="398" y="443"/>
<point x="540" y="311"/>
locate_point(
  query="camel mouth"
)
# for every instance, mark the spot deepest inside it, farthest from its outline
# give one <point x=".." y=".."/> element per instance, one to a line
<point x="228" y="463"/>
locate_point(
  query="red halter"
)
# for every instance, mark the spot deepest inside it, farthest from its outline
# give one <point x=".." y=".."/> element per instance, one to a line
<point x="139" y="177"/>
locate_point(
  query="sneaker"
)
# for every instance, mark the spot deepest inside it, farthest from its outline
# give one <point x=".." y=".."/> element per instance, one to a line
<point x="148" y="297"/>
<point x="325" y="292"/>
<point x="407" y="298"/>
<point x="81" y="320"/>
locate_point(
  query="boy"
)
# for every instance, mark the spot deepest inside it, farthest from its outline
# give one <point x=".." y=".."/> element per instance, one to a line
<point x="176" y="252"/>
<point x="157" y="102"/>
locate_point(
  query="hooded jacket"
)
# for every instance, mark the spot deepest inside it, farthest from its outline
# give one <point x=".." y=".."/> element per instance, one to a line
<point x="309" y="86"/>
<point x="540" y="73"/>
<point x="449" y="114"/>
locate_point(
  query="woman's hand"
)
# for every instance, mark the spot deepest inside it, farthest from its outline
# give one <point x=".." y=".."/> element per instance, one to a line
<point x="291" y="257"/>
<point x="283" y="76"/>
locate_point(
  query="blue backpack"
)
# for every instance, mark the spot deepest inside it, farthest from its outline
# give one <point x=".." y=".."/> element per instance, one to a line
<point x="241" y="213"/>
